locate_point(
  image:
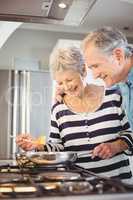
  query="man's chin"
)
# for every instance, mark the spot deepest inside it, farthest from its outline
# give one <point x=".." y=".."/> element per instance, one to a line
<point x="109" y="83"/>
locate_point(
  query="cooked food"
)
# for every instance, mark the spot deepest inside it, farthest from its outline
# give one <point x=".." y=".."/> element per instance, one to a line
<point x="40" y="140"/>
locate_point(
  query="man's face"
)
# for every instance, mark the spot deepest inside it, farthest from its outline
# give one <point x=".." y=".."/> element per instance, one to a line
<point x="106" y="67"/>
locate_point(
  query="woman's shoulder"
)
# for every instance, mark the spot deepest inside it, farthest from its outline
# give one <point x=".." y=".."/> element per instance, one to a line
<point x="113" y="91"/>
<point x="113" y="95"/>
<point x="57" y="106"/>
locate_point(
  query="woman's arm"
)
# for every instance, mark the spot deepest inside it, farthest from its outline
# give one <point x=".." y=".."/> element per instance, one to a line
<point x="28" y="143"/>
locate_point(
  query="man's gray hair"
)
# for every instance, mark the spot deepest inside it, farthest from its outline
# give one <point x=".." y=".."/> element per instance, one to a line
<point x="107" y="39"/>
<point x="69" y="58"/>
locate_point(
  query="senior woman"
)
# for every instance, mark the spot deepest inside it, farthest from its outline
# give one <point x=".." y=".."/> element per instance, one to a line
<point x="89" y="118"/>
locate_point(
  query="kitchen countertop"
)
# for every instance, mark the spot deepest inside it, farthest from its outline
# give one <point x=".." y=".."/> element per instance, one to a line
<point x="87" y="197"/>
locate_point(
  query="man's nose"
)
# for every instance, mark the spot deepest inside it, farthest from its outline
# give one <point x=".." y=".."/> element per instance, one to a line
<point x="96" y="74"/>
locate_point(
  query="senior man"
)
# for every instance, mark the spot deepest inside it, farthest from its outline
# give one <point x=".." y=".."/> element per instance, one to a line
<point x="110" y="57"/>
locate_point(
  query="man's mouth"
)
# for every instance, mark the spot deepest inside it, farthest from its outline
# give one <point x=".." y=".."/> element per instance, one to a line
<point x="103" y="77"/>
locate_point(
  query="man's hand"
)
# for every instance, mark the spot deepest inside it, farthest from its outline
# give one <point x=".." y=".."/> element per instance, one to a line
<point x="108" y="150"/>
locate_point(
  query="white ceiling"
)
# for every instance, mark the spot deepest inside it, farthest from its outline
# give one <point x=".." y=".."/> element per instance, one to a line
<point x="110" y="12"/>
<point x="118" y="13"/>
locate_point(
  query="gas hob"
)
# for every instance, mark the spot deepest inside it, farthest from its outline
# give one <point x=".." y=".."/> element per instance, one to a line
<point x="25" y="180"/>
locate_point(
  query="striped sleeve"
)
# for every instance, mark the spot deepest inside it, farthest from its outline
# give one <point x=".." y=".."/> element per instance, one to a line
<point x="126" y="134"/>
<point x="54" y="142"/>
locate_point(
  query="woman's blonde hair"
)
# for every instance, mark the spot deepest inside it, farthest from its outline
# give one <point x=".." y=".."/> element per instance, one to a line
<point x="65" y="59"/>
<point x="107" y="39"/>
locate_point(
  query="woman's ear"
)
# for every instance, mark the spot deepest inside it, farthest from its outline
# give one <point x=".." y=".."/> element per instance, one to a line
<point x="119" y="54"/>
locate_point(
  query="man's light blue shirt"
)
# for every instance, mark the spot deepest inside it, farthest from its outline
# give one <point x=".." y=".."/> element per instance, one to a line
<point x="126" y="89"/>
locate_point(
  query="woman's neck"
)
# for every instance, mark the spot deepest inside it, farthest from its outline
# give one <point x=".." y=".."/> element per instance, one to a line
<point x="90" y="101"/>
<point x="89" y="91"/>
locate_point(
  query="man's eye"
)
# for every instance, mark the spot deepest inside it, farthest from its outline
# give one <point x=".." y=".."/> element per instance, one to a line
<point x="94" y="66"/>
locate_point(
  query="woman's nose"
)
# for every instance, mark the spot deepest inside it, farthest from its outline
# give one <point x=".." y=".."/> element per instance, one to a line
<point x="66" y="86"/>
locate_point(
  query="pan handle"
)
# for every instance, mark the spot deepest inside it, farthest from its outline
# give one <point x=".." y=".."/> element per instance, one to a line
<point x="87" y="153"/>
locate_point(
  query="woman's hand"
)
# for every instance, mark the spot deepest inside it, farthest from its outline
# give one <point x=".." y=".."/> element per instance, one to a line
<point x="27" y="143"/>
<point x="108" y="150"/>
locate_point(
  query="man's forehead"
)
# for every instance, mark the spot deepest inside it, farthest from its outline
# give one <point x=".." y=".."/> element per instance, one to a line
<point x="93" y="56"/>
<point x="93" y="59"/>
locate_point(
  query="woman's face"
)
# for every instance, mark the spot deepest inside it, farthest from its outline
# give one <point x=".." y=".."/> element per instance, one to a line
<point x="110" y="68"/>
<point x="70" y="82"/>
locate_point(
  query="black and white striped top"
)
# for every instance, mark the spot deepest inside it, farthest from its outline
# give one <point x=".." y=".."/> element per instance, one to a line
<point x="72" y="131"/>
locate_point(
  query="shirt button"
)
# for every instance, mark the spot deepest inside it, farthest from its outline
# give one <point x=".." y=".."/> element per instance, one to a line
<point x="88" y="134"/>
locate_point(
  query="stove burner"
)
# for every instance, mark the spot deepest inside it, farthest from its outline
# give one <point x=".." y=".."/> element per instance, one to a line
<point x="77" y="187"/>
<point x="11" y="177"/>
<point x="18" y="188"/>
<point x="51" y="185"/>
<point x="24" y="189"/>
<point x="60" y="175"/>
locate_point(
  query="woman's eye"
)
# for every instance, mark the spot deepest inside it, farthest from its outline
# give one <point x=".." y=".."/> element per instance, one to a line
<point x="59" y="84"/>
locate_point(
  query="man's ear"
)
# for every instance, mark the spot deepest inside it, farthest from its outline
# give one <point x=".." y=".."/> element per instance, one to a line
<point x="119" y="54"/>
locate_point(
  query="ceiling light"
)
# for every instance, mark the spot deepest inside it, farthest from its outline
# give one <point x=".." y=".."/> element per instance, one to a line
<point x="62" y="5"/>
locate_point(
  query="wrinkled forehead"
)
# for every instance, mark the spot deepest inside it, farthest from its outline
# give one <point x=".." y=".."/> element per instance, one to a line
<point x="94" y="55"/>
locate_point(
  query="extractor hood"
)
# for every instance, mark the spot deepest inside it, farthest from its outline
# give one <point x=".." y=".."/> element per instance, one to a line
<point x="66" y="12"/>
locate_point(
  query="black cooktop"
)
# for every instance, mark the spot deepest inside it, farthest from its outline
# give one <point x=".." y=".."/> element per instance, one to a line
<point x="23" y="179"/>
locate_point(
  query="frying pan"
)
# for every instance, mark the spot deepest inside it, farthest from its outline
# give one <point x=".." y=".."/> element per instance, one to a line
<point x="53" y="157"/>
